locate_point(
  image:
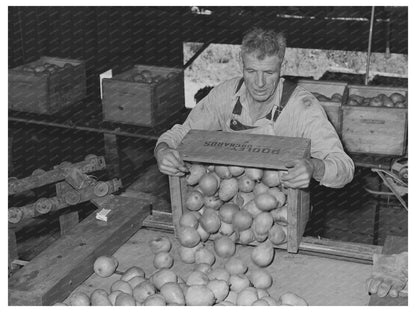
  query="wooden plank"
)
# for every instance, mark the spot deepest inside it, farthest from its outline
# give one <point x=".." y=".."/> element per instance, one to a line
<point x="68" y="221"/>
<point x="251" y="150"/>
<point x="176" y="199"/>
<point x="392" y="245"/>
<point x="55" y="272"/>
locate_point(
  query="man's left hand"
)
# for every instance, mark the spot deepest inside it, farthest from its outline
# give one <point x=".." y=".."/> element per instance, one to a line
<point x="299" y="173"/>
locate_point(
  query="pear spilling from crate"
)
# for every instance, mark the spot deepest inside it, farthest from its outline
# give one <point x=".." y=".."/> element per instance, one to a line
<point x="159" y="244"/>
<point x="263" y="254"/>
<point x="196" y="171"/>
<point x="224" y="247"/>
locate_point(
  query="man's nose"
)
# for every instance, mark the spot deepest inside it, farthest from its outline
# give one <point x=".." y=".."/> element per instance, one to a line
<point x="260" y="80"/>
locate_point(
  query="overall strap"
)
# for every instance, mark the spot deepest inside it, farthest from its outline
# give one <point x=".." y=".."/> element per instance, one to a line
<point x="288" y="88"/>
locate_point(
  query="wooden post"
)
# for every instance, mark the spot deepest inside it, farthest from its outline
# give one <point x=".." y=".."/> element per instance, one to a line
<point x="67" y="221"/>
<point x="111" y="155"/>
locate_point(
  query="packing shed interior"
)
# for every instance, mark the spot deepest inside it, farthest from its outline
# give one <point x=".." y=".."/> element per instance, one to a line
<point x="119" y="37"/>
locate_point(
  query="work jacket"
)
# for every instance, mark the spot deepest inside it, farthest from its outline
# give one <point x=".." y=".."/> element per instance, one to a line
<point x="226" y="108"/>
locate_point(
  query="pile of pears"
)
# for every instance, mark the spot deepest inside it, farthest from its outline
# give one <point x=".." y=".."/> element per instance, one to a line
<point x="229" y="284"/>
<point x="231" y="204"/>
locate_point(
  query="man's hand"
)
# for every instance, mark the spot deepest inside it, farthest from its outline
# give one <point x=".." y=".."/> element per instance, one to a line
<point x="389" y="275"/>
<point x="169" y="161"/>
<point x="299" y="173"/>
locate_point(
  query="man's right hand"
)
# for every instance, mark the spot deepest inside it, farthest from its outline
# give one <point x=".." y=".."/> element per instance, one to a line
<point x="169" y="161"/>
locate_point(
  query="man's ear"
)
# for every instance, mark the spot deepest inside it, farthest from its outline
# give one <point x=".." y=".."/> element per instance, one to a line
<point x="240" y="61"/>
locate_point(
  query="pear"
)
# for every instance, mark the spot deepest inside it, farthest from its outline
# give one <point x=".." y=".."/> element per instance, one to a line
<point x="204" y="255"/>
<point x="79" y="299"/>
<point x="105" y="266"/>
<point x="265" y="201"/>
<point x="212" y="202"/>
<point x="245" y="184"/>
<point x="219" y="274"/>
<point x="188" y="219"/>
<point x="278" y="194"/>
<point x="122" y="286"/>
<point x="292" y="299"/>
<point x="252" y="208"/>
<point x="159" y="244"/>
<point x="254" y="173"/>
<point x="132" y="272"/>
<point x="271" y="178"/>
<point x="197" y="278"/>
<point x="163" y="260"/>
<point x="260" y="188"/>
<point x="125" y="300"/>
<point x="242" y="220"/>
<point x="262" y="255"/>
<point x="163" y="276"/>
<point x="143" y="290"/>
<point x="196" y="171"/>
<point x="247" y="297"/>
<point x="155" y="300"/>
<point x="187" y="236"/>
<point x="224" y="247"/>
<point x="173" y="293"/>
<point x="228" y="189"/>
<point x="277" y="234"/>
<point x="223" y="172"/>
<point x="219" y="288"/>
<point x="209" y="184"/>
<point x="236" y="170"/>
<point x="210" y="221"/>
<point x="199" y="295"/>
<point x="227" y="212"/>
<point x="235" y="265"/>
<point x="194" y="201"/>
<point x="238" y="282"/>
<point x="261" y="279"/>
<point x="262" y="223"/>
<point x="246" y="237"/>
<point x="260" y="302"/>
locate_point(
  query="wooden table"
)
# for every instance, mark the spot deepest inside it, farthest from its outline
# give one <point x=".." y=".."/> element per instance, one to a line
<point x="321" y="281"/>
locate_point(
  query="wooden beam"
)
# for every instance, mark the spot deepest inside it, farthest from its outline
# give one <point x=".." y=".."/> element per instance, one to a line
<point x="57" y="271"/>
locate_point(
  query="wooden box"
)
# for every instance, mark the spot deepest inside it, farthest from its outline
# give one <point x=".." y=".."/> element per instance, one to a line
<point x="130" y="100"/>
<point x="374" y="129"/>
<point x="246" y="150"/>
<point x="61" y="84"/>
<point x="324" y="92"/>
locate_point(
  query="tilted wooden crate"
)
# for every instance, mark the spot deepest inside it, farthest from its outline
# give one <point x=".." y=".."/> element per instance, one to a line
<point x="132" y="101"/>
<point x="48" y="91"/>
<point x="374" y="130"/>
<point x="246" y="150"/>
<point x="331" y="104"/>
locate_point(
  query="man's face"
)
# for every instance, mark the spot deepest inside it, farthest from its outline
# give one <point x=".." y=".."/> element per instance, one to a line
<point x="261" y="76"/>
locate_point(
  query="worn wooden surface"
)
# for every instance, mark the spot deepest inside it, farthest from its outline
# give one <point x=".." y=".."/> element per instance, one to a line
<point x="238" y="149"/>
<point x="321" y="281"/>
<point x="374" y="130"/>
<point x="392" y="245"/>
<point x="55" y="272"/>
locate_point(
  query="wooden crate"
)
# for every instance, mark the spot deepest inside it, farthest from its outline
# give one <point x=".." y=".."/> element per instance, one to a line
<point x="140" y="103"/>
<point x="327" y="89"/>
<point x="47" y="92"/>
<point x="374" y="130"/>
<point x="248" y="150"/>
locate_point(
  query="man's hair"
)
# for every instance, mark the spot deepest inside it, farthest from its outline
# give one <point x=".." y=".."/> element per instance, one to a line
<point x="264" y="43"/>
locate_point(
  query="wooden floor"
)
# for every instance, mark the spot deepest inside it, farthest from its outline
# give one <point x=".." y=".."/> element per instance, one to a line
<point x="321" y="281"/>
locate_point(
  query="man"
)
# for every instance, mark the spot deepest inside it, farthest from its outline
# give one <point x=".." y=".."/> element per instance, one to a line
<point x="263" y="103"/>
